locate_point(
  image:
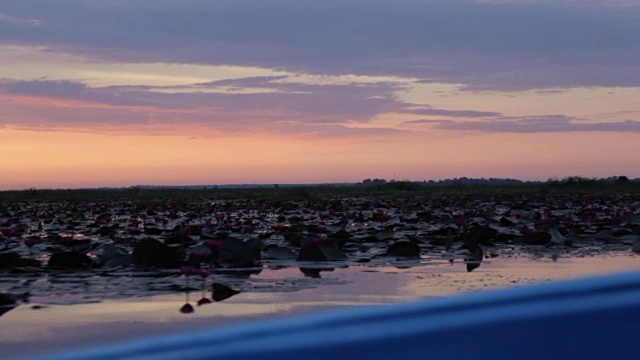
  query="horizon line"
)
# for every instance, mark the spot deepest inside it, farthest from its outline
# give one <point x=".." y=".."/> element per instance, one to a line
<point x="375" y="181"/>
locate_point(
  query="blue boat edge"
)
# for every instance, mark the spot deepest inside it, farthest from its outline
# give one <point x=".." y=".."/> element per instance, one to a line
<point x="591" y="317"/>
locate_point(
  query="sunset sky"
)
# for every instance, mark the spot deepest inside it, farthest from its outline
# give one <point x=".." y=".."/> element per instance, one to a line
<point x="124" y="92"/>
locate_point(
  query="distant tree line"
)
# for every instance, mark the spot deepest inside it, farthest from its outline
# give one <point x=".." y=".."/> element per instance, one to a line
<point x="369" y="182"/>
<point x="567" y="181"/>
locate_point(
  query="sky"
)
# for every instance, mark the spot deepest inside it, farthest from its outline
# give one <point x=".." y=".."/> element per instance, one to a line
<point x="174" y="92"/>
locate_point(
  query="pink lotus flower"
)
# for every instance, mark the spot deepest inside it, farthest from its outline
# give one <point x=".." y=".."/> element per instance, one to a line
<point x="158" y="219"/>
<point x="525" y="230"/>
<point x="547" y="221"/>
<point x="10" y="222"/>
<point x="200" y="256"/>
<point x="618" y="218"/>
<point x="294" y="218"/>
<point x="381" y="217"/>
<point x="30" y="242"/>
<point x="213" y="243"/>
<point x="316" y="240"/>
<point x="463" y="223"/>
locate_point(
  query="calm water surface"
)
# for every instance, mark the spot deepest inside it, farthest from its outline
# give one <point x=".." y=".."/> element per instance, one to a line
<point x="43" y="326"/>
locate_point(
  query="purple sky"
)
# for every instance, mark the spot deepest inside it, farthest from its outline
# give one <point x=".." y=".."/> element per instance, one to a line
<point x="376" y="70"/>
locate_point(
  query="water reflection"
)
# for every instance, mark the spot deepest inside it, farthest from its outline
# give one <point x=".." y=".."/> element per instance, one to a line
<point x="9" y="302"/>
<point x="282" y="278"/>
<point x="239" y="272"/>
<point x="186" y="308"/>
<point x="204" y="300"/>
<point x="314" y="272"/>
<point x="221" y="292"/>
<point x="475" y="256"/>
<point x="270" y="294"/>
<point x="6" y="308"/>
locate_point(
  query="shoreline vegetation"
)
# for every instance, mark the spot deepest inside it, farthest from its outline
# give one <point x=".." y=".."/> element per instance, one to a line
<point x="368" y="187"/>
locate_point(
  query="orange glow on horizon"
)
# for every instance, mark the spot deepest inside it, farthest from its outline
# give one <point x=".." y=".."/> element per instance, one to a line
<point x="65" y="159"/>
<point x="72" y="152"/>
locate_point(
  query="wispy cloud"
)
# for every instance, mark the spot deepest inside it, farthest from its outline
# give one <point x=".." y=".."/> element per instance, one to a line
<point x="291" y="101"/>
<point x="246" y="82"/>
<point x="505" y="45"/>
<point x="297" y="50"/>
<point x="294" y="108"/>
<point x="455" y="113"/>
<point x="576" y="3"/>
<point x="16" y="20"/>
<point x="533" y="124"/>
<point x="340" y="110"/>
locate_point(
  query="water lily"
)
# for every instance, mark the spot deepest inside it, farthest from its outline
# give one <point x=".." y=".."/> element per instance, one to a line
<point x="30" y="242"/>
<point x="199" y="257"/>
<point x="213" y="243"/>
<point x="320" y="229"/>
<point x="316" y="240"/>
<point x="204" y="273"/>
<point x="526" y="230"/>
<point x="188" y="270"/>
<point x="67" y="239"/>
